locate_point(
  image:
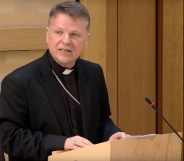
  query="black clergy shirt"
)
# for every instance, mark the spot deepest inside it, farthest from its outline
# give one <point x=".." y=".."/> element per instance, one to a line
<point x="70" y="83"/>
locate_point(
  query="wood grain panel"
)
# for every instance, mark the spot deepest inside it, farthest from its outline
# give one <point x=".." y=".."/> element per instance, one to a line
<point x="102" y="47"/>
<point x="21" y="13"/>
<point x="166" y="147"/>
<point x="112" y="56"/>
<point x="96" y="48"/>
<point x="22" y="39"/>
<point x="136" y="65"/>
<point x="11" y="60"/>
<point x="173" y="64"/>
<point x="159" y="60"/>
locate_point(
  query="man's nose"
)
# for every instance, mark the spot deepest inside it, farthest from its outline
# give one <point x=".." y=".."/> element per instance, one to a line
<point x="66" y="38"/>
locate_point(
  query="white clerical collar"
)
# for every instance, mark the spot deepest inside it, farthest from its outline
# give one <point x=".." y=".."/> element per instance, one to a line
<point x="67" y="71"/>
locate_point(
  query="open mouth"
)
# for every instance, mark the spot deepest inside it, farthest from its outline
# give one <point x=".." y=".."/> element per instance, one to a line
<point x="65" y="50"/>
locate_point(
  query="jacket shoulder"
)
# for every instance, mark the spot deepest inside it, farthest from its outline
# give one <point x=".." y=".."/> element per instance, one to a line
<point x="88" y="64"/>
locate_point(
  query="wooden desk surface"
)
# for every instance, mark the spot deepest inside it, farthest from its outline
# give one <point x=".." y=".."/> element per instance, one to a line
<point x="101" y="152"/>
<point x="167" y="147"/>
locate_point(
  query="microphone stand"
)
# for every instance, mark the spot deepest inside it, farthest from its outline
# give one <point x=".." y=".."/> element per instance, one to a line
<point x="155" y="108"/>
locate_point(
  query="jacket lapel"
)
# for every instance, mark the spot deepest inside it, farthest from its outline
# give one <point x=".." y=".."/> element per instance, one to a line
<point x="51" y="88"/>
<point x="84" y="93"/>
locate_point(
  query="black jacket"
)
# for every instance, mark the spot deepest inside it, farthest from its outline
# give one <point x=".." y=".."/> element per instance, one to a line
<point x="33" y="118"/>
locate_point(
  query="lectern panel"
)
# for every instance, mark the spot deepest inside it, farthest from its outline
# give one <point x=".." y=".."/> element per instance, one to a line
<point x="166" y="147"/>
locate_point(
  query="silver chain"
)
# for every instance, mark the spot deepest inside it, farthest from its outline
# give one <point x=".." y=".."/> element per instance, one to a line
<point x="65" y="88"/>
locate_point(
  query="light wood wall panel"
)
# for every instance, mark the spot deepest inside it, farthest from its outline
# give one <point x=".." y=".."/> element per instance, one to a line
<point x="96" y="48"/>
<point x="136" y="65"/>
<point x="10" y="60"/>
<point x="22" y="39"/>
<point x="173" y="64"/>
<point x="102" y="46"/>
<point x="22" y="32"/>
<point x="21" y="13"/>
<point x="112" y="56"/>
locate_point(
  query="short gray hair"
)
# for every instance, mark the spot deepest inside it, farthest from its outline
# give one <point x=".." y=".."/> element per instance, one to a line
<point x="74" y="9"/>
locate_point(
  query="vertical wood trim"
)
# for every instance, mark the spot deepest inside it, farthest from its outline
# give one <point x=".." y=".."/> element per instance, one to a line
<point x="159" y="62"/>
<point x="183" y="84"/>
<point x="111" y="57"/>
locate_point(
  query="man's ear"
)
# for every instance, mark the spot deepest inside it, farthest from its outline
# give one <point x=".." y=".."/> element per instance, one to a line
<point x="87" y="39"/>
<point x="46" y="31"/>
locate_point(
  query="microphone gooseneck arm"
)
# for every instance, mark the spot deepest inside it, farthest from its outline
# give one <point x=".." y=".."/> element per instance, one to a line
<point x="151" y="104"/>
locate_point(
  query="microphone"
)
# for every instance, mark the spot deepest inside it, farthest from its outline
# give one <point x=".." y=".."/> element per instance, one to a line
<point x="155" y="108"/>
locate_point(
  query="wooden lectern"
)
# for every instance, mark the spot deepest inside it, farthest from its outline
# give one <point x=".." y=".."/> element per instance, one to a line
<point x="165" y="147"/>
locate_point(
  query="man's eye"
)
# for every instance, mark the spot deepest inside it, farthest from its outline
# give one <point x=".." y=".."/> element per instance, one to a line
<point x="75" y="35"/>
<point x="58" y="32"/>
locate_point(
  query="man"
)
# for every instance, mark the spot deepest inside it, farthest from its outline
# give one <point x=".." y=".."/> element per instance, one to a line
<point x="59" y="101"/>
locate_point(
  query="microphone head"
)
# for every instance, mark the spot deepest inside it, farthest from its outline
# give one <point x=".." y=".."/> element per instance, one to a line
<point x="151" y="104"/>
<point x="148" y="100"/>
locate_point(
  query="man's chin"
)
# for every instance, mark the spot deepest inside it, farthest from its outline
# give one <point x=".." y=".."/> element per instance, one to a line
<point x="66" y="63"/>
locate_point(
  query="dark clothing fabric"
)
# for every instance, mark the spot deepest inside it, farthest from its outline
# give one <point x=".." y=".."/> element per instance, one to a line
<point x="2" y="158"/>
<point x="70" y="83"/>
<point x="34" y="118"/>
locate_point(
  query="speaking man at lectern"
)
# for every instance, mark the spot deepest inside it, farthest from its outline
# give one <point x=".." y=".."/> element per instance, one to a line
<point x="59" y="101"/>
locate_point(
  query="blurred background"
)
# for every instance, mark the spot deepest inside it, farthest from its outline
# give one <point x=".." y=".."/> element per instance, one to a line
<point x="139" y="44"/>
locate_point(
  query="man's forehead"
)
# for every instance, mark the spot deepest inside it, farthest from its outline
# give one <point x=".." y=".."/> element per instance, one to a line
<point x="60" y="19"/>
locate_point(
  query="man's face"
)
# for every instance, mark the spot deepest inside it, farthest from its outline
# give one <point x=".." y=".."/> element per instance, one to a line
<point x="66" y="39"/>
